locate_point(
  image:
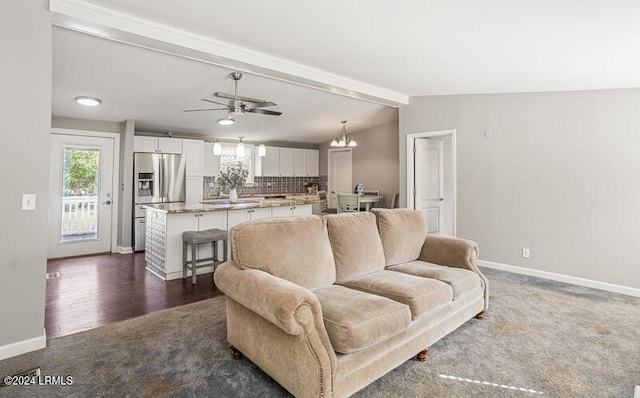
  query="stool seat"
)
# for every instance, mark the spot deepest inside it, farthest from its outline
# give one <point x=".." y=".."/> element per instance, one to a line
<point x="195" y="238"/>
<point x="207" y="235"/>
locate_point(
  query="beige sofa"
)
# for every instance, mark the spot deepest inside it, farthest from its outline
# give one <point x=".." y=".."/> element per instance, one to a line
<point x="326" y="306"/>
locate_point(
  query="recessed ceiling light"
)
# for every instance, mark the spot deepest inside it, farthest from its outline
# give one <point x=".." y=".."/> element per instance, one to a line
<point x="88" y="101"/>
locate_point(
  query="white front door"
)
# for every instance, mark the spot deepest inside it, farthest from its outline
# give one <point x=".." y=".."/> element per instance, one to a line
<point x="339" y="179"/>
<point x="429" y="181"/>
<point x="81" y="183"/>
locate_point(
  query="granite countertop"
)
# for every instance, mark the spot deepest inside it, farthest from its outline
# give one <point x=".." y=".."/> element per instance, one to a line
<point x="174" y="208"/>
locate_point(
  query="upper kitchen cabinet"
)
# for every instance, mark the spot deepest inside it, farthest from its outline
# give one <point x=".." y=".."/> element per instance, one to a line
<point x="143" y="143"/>
<point x="313" y="162"/>
<point x="211" y="163"/>
<point x="289" y="162"/>
<point x="299" y="162"/>
<point x="286" y="162"/>
<point x="270" y="162"/>
<point x="193" y="150"/>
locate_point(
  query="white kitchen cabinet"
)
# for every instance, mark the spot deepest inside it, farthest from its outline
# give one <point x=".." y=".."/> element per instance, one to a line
<point x="313" y="162"/>
<point x="299" y="162"/>
<point x="210" y="163"/>
<point x="193" y="189"/>
<point x="270" y="162"/>
<point x="290" y="211"/>
<point x="142" y="143"/>
<point x="193" y="151"/>
<point x="286" y="162"/>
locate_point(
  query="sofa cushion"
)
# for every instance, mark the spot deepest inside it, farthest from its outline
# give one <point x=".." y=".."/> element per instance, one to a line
<point x="295" y="248"/>
<point x="355" y="320"/>
<point x="462" y="281"/>
<point x="403" y="232"/>
<point x="420" y="294"/>
<point x="356" y="244"/>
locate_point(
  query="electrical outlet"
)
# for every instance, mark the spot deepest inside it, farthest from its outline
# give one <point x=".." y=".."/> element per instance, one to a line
<point x="487" y="133"/>
<point x="525" y="252"/>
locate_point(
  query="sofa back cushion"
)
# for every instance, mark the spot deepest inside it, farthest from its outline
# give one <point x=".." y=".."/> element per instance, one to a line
<point x="356" y="244"/>
<point x="403" y="232"/>
<point x="295" y="248"/>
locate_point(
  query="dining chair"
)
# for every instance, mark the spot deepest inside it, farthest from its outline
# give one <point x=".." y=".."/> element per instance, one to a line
<point x="348" y="202"/>
<point x="394" y="201"/>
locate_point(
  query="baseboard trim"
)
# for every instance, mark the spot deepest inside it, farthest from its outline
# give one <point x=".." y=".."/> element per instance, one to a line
<point x="125" y="250"/>
<point x="574" y="280"/>
<point x="24" y="346"/>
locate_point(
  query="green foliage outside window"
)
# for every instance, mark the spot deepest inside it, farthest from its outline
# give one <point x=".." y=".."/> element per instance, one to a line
<point x="80" y="173"/>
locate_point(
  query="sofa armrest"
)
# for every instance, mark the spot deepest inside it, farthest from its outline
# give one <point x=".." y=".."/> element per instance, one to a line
<point x="278" y="300"/>
<point x="454" y="252"/>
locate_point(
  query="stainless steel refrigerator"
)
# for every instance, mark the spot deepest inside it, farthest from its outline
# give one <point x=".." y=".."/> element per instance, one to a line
<point x="157" y="178"/>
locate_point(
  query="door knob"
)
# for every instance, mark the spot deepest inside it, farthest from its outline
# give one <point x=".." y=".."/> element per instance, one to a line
<point x="108" y="202"/>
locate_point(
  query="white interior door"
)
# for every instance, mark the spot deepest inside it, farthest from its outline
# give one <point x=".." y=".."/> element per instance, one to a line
<point x="429" y="182"/>
<point x="339" y="179"/>
<point x="81" y="183"/>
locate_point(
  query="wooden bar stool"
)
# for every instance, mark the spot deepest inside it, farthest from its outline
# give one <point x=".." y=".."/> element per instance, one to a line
<point x="194" y="238"/>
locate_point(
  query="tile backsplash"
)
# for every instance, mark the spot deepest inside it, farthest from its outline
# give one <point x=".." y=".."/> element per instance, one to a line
<point x="267" y="185"/>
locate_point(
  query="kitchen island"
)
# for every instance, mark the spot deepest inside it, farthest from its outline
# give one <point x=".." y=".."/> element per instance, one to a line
<point x="165" y="224"/>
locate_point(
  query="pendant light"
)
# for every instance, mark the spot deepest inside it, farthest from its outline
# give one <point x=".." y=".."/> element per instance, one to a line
<point x="240" y="149"/>
<point x="262" y="150"/>
<point x="343" y="139"/>
<point x="217" y="148"/>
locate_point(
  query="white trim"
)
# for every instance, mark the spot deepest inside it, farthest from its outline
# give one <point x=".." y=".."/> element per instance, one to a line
<point x="24" y="346"/>
<point x="636" y="393"/>
<point x="107" y="23"/>
<point x="125" y="249"/>
<point x="115" y="191"/>
<point x="410" y="171"/>
<point x="574" y="280"/>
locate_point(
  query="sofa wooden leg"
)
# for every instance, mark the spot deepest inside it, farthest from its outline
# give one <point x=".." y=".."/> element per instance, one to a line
<point x="422" y="355"/>
<point x="480" y="315"/>
<point x="235" y="354"/>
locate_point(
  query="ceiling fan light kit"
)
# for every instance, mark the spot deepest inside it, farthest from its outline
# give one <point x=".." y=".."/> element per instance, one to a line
<point x="343" y="139"/>
<point x="240" y="148"/>
<point x="226" y="121"/>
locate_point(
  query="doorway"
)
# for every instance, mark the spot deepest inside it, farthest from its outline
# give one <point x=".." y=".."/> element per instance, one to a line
<point x="83" y="194"/>
<point x="339" y="175"/>
<point x="431" y="179"/>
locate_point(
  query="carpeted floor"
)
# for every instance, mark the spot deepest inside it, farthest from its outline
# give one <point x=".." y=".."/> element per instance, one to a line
<point x="540" y="338"/>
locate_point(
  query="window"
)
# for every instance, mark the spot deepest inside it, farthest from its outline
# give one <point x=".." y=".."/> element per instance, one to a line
<point x="228" y="158"/>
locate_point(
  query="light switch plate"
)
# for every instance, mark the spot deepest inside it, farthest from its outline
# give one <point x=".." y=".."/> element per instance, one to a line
<point x="28" y="201"/>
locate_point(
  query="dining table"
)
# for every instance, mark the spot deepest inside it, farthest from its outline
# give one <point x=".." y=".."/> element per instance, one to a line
<point x="368" y="200"/>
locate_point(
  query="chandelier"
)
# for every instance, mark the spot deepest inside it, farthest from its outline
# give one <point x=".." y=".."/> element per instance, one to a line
<point x="343" y="139"/>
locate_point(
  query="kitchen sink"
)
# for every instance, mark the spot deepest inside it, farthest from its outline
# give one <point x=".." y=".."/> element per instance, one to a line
<point x="227" y="201"/>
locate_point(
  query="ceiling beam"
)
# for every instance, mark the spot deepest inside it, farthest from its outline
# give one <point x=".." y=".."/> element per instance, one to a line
<point x="109" y="24"/>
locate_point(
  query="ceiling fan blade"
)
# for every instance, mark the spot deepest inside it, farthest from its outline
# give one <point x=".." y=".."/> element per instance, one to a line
<point x="264" y="112"/>
<point x="208" y="109"/>
<point x="233" y="97"/>
<point x="261" y="105"/>
<point x="214" y="102"/>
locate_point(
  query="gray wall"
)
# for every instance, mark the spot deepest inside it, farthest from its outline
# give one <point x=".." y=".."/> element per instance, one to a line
<point x="374" y="160"/>
<point x="561" y="176"/>
<point x="25" y="111"/>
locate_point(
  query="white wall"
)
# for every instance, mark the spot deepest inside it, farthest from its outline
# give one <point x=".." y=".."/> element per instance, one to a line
<point x="560" y="176"/>
<point x="25" y="112"/>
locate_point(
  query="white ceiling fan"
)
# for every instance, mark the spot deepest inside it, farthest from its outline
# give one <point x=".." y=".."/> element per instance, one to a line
<point x="238" y="105"/>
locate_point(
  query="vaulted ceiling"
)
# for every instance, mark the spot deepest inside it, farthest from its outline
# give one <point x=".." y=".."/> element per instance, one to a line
<point x="413" y="47"/>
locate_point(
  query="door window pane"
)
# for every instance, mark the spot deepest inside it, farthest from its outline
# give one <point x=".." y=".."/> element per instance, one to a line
<point x="80" y="194"/>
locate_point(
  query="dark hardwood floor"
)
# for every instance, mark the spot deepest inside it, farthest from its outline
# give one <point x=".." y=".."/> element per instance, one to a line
<point x="96" y="290"/>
